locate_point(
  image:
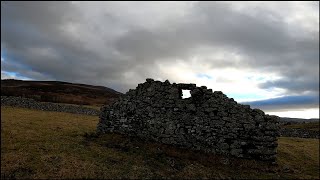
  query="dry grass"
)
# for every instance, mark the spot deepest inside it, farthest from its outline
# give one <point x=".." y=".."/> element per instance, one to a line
<point x="38" y="144"/>
<point x="300" y="156"/>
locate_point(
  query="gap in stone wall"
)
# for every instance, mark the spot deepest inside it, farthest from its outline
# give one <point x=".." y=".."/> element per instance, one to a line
<point x="185" y="93"/>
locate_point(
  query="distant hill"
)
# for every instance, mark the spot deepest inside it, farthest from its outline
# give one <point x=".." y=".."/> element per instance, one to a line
<point x="59" y="92"/>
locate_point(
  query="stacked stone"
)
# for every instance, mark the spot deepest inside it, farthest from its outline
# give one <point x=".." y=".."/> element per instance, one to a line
<point x="46" y="106"/>
<point x="301" y="133"/>
<point x="207" y="121"/>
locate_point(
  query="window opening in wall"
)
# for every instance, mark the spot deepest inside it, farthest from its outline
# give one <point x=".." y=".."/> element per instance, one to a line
<point x="185" y="93"/>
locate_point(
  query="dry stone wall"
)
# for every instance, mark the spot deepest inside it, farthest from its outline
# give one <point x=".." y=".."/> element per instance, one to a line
<point x="301" y="133"/>
<point x="207" y="121"/>
<point x="46" y="106"/>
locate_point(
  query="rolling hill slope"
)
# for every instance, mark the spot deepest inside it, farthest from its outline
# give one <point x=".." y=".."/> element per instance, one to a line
<point x="59" y="92"/>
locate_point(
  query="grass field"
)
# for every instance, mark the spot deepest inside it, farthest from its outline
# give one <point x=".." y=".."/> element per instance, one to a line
<point x="314" y="126"/>
<point x="39" y="144"/>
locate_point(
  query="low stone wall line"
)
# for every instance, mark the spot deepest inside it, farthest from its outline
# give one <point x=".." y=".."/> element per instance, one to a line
<point x="46" y="106"/>
<point x="301" y="133"/>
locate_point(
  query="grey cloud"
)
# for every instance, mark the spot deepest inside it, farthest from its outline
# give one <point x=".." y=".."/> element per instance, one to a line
<point x="295" y="85"/>
<point x="105" y="47"/>
<point x="266" y="44"/>
<point x="42" y="21"/>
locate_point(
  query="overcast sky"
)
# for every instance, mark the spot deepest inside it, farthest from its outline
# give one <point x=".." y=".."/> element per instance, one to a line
<point x="261" y="53"/>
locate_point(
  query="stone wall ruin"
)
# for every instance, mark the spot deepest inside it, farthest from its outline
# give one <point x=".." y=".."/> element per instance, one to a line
<point x="207" y="121"/>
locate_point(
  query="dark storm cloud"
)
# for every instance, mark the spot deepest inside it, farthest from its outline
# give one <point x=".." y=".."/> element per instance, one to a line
<point x="286" y="103"/>
<point x="266" y="44"/>
<point x="78" y="43"/>
<point x="33" y="39"/>
<point x="294" y="85"/>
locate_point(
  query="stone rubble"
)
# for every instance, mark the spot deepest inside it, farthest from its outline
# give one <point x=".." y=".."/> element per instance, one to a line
<point x="207" y="121"/>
